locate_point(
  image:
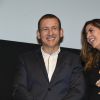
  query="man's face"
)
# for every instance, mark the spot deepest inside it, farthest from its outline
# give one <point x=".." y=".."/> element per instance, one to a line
<point x="50" y="34"/>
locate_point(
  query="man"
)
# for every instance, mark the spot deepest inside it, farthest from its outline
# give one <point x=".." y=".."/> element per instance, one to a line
<point x="50" y="72"/>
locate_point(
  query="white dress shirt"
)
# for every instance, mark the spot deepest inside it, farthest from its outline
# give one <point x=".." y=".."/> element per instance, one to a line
<point x="50" y="62"/>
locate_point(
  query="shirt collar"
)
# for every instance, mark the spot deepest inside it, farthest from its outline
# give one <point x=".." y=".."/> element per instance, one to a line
<point x="46" y="54"/>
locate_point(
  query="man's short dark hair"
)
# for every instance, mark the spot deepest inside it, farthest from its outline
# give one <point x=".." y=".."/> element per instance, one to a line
<point x="48" y="16"/>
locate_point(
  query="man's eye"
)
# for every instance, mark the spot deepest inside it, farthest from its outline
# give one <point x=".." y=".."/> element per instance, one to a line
<point x="45" y="29"/>
<point x="54" y="28"/>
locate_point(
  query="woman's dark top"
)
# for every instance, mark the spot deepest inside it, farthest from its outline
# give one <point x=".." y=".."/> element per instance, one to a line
<point x="92" y="77"/>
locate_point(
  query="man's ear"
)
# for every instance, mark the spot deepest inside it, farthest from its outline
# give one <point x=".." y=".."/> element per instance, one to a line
<point x="38" y="34"/>
<point x="61" y="33"/>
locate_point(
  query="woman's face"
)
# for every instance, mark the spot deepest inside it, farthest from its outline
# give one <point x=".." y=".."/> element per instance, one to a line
<point x="93" y="36"/>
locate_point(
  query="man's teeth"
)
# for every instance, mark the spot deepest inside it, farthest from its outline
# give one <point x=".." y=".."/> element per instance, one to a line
<point x="50" y="37"/>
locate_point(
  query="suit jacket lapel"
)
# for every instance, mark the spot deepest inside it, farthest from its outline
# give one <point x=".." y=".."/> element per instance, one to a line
<point x="41" y="63"/>
<point x="58" y="66"/>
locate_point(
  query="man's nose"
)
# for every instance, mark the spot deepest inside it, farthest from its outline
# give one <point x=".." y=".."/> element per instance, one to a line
<point x="50" y="30"/>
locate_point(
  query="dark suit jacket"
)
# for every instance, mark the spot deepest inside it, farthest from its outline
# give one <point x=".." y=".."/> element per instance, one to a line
<point x="31" y="81"/>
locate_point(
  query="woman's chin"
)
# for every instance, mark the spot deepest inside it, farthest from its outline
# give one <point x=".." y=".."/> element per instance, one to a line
<point x="97" y="47"/>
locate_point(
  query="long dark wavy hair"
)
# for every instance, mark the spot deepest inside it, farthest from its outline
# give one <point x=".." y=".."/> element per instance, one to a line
<point x="89" y="55"/>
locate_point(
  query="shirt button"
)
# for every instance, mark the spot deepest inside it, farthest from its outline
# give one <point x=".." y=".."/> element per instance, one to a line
<point x="49" y="89"/>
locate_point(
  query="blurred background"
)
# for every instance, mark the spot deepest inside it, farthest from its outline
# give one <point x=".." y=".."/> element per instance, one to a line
<point x="18" y="18"/>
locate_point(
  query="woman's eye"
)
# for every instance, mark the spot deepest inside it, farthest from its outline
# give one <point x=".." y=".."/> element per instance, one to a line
<point x="90" y="30"/>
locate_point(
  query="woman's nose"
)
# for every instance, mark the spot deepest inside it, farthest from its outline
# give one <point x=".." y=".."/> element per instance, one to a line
<point x="88" y="34"/>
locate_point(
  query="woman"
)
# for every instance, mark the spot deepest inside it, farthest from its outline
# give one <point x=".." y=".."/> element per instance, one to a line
<point x="90" y="55"/>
